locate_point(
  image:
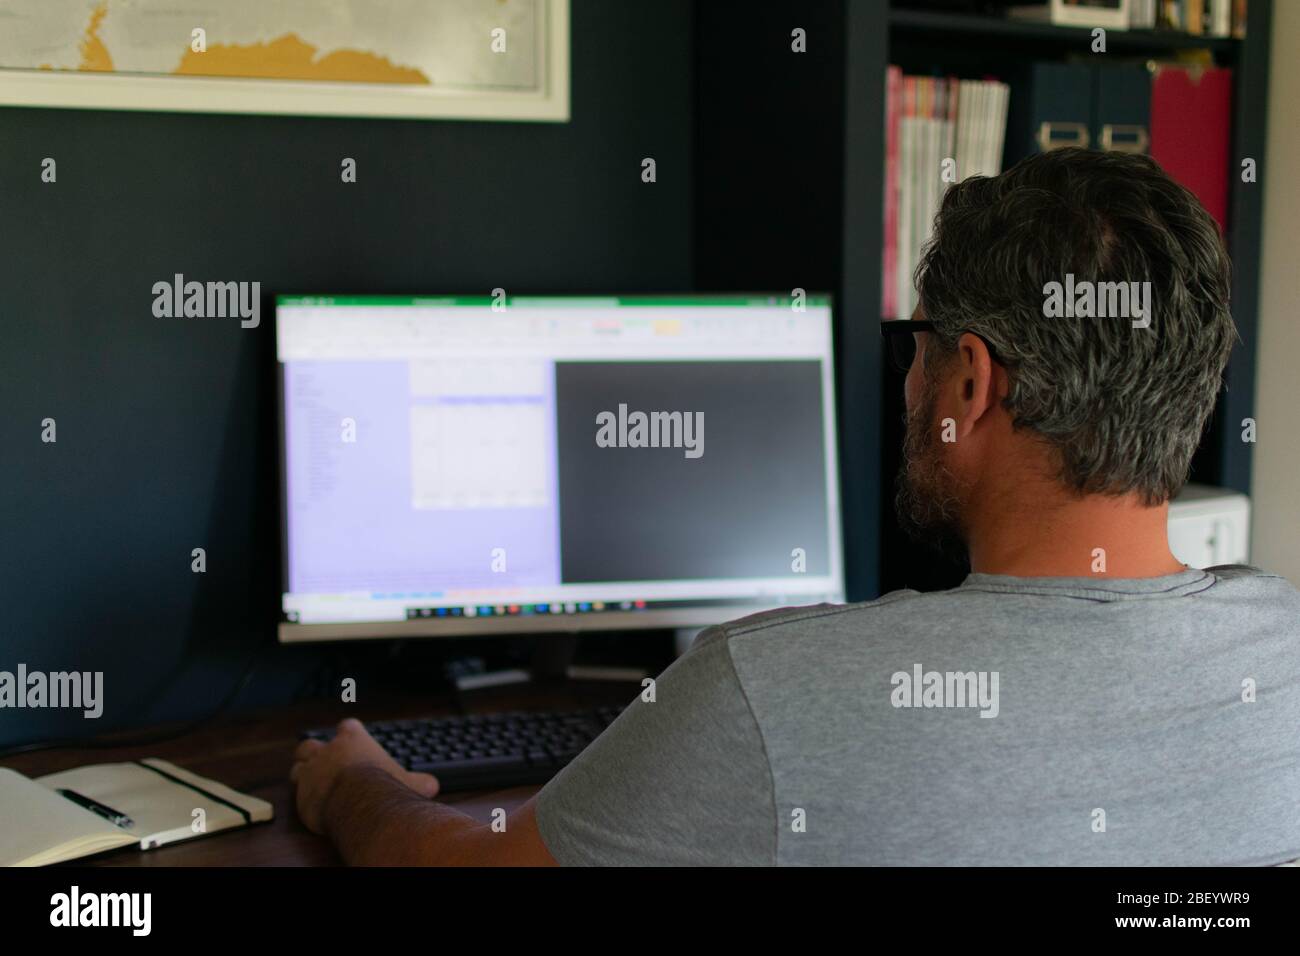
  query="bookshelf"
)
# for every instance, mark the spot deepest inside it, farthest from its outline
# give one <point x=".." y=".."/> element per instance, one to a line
<point x="933" y="25"/>
<point x="788" y="185"/>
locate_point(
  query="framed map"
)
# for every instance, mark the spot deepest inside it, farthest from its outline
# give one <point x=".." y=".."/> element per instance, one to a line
<point x="453" y="59"/>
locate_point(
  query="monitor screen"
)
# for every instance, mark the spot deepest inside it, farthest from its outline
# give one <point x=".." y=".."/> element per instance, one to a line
<point x="477" y="465"/>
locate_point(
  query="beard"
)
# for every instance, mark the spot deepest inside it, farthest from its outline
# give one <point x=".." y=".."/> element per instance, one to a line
<point x="928" y="496"/>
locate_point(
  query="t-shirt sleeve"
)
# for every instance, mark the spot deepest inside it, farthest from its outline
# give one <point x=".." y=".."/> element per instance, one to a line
<point x="682" y="780"/>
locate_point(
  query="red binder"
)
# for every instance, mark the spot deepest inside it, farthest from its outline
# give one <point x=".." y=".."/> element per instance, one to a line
<point x="888" y="295"/>
<point x="1190" y="131"/>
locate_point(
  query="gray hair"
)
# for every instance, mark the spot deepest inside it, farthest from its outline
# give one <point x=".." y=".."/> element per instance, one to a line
<point x="1123" y="407"/>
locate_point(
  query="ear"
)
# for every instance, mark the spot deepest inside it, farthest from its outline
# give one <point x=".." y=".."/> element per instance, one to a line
<point x="979" y="384"/>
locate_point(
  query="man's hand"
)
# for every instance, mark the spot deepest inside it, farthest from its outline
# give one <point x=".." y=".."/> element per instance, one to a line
<point x="375" y="812"/>
<point x="318" y="766"/>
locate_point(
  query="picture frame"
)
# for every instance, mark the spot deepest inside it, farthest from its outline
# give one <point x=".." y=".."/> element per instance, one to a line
<point x="549" y="102"/>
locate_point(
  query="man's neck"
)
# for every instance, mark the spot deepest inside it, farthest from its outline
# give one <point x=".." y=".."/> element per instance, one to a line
<point x="1048" y="532"/>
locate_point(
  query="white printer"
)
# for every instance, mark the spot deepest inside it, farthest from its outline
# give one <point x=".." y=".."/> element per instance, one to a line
<point x="1209" y="526"/>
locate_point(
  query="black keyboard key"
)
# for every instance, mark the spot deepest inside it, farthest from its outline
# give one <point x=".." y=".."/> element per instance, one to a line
<point x="488" y="751"/>
<point x="505" y="762"/>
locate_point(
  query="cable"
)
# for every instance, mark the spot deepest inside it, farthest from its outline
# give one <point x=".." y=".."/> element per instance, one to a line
<point x="105" y="743"/>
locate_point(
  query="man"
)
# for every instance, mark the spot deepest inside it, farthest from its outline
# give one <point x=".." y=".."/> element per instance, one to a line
<point x="1082" y="698"/>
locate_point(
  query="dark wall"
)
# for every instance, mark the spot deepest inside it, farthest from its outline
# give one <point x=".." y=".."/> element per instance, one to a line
<point x="166" y="427"/>
<point x="788" y="169"/>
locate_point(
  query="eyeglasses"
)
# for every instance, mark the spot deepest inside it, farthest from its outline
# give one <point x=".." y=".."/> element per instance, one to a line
<point x="900" y="337"/>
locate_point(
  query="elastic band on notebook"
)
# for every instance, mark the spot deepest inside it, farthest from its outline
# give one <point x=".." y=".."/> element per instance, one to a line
<point x="185" y="783"/>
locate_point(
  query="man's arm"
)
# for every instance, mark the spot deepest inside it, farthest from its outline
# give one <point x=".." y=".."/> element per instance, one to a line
<point x="681" y="777"/>
<point x="379" y="814"/>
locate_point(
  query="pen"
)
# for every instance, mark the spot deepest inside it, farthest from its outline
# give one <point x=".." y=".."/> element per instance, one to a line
<point x="108" y="813"/>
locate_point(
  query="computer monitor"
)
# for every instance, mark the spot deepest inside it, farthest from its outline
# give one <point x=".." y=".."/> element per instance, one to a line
<point x="467" y="466"/>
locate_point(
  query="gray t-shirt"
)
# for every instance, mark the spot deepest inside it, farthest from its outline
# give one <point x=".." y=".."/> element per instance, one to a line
<point x="1130" y="722"/>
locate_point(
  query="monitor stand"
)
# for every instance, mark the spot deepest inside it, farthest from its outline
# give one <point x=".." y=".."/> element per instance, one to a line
<point x="552" y="662"/>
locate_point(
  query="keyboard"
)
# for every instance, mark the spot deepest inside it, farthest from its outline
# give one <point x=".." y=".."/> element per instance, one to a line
<point x="475" y="751"/>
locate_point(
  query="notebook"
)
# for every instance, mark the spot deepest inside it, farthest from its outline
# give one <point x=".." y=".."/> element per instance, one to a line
<point x="147" y="803"/>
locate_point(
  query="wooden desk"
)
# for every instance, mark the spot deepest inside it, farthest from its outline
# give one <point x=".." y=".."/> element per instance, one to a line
<point x="252" y="753"/>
